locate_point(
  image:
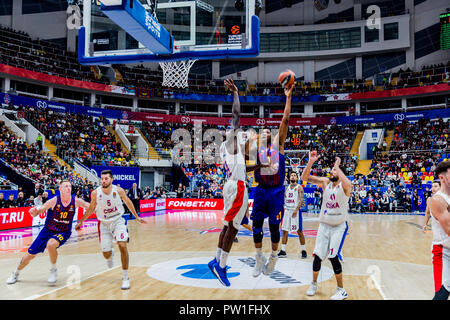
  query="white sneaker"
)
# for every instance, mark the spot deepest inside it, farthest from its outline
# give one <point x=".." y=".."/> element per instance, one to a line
<point x="53" y="276"/>
<point x="110" y="261"/>
<point x="270" y="266"/>
<point x="12" y="278"/>
<point x="340" y="294"/>
<point x="125" y="284"/>
<point x="312" y="289"/>
<point x="260" y="262"/>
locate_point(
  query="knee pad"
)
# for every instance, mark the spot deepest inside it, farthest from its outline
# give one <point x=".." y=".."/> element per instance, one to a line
<point x="274" y="233"/>
<point x="337" y="267"/>
<point x="258" y="231"/>
<point x="316" y="263"/>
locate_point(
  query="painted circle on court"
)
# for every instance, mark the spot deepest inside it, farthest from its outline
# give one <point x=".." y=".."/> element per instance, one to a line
<point x="196" y="273"/>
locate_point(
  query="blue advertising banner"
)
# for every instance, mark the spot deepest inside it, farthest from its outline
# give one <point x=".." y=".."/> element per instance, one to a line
<point x="124" y="176"/>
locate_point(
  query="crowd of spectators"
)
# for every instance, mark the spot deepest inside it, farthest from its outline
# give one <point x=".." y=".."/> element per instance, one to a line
<point x="78" y="136"/>
<point x="20" y="50"/>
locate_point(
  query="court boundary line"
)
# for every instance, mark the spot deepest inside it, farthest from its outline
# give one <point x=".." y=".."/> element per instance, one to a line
<point x="37" y="296"/>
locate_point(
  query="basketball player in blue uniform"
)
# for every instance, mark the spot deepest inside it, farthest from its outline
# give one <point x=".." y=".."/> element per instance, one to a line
<point x="57" y="229"/>
<point x="269" y="194"/>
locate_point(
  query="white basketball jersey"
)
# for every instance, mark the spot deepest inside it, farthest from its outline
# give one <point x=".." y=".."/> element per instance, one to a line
<point x="234" y="164"/>
<point x="439" y="235"/>
<point x="109" y="206"/>
<point x="291" y="199"/>
<point x="334" y="209"/>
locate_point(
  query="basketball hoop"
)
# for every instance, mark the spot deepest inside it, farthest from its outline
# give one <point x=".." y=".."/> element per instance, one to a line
<point x="175" y="73"/>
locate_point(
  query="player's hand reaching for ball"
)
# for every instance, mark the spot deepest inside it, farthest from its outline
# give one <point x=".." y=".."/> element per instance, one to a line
<point x="288" y="91"/>
<point x="313" y="156"/>
<point x="229" y="84"/>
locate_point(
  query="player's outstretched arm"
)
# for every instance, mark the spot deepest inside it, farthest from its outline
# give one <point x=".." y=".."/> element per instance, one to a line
<point x="90" y="210"/>
<point x="440" y="210"/>
<point x="129" y="204"/>
<point x="346" y="183"/>
<point x="35" y="211"/>
<point x="236" y="109"/>
<point x="306" y="174"/>
<point x="284" y="126"/>
<point x="81" y="203"/>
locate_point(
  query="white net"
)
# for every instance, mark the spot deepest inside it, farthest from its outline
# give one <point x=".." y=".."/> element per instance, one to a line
<point x="175" y="74"/>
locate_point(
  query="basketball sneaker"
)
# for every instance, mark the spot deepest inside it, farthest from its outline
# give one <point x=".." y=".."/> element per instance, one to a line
<point x="282" y="254"/>
<point x="110" y="261"/>
<point x="12" y="278"/>
<point x="340" y="294"/>
<point x="125" y="283"/>
<point x="211" y="265"/>
<point x="221" y="274"/>
<point x="270" y="266"/>
<point x="304" y="254"/>
<point x="53" y="276"/>
<point x="260" y="262"/>
<point x="312" y="289"/>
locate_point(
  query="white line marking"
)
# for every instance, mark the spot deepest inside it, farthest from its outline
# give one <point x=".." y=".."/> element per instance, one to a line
<point x="36" y="296"/>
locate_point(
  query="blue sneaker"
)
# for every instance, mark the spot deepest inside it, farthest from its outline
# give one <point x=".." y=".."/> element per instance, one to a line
<point x="221" y="274"/>
<point x="211" y="264"/>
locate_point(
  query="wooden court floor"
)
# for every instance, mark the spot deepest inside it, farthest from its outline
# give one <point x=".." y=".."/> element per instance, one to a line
<point x="385" y="257"/>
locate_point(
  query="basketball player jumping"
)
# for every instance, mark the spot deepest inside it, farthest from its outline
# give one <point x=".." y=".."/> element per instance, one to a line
<point x="106" y="202"/>
<point x="269" y="194"/>
<point x="292" y="221"/>
<point x="438" y="237"/>
<point x="440" y="210"/>
<point x="235" y="192"/>
<point x="333" y="224"/>
<point x="57" y="229"/>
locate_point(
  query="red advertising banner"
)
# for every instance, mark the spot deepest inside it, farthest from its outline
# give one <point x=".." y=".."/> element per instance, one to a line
<point x="13" y="218"/>
<point x="147" y="205"/>
<point x="212" y="204"/>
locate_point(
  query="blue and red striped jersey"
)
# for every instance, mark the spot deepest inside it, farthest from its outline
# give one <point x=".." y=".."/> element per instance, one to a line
<point x="60" y="218"/>
<point x="273" y="176"/>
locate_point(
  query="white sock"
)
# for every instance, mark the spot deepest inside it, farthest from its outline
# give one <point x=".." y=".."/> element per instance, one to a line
<point x="303" y="247"/>
<point x="17" y="271"/>
<point x="53" y="266"/>
<point x="223" y="259"/>
<point x="259" y="251"/>
<point x="125" y="274"/>
<point x="283" y="247"/>
<point x="218" y="253"/>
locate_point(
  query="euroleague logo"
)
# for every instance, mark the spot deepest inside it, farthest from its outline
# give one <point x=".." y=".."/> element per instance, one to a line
<point x="235" y="29"/>
<point x="195" y="272"/>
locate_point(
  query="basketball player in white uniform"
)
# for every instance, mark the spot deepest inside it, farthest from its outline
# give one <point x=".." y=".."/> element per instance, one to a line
<point x="235" y="194"/>
<point x="106" y="202"/>
<point x="294" y="200"/>
<point x="438" y="237"/>
<point x="440" y="210"/>
<point x="332" y="222"/>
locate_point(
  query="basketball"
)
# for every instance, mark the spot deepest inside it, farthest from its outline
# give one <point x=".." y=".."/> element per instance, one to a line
<point x="286" y="78"/>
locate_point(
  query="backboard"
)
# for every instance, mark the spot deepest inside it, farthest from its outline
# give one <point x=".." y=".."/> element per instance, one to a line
<point x="199" y="29"/>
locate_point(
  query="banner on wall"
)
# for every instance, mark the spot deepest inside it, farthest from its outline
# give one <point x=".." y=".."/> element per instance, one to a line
<point x="159" y="118"/>
<point x="147" y="205"/>
<point x="13" y="218"/>
<point x="187" y="204"/>
<point x="124" y="176"/>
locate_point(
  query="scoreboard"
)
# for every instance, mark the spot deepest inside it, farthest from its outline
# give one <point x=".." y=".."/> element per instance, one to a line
<point x="445" y="31"/>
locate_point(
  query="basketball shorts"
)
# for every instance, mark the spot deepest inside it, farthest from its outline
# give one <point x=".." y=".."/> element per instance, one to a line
<point x="235" y="197"/>
<point x="446" y="268"/>
<point x="268" y="202"/>
<point x="40" y="243"/>
<point x="330" y="240"/>
<point x="111" y="232"/>
<point x="289" y="223"/>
